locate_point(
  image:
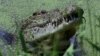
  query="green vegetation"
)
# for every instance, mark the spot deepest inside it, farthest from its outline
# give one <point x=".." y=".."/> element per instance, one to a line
<point x="21" y="9"/>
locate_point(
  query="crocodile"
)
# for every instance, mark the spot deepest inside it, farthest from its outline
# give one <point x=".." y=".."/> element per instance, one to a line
<point x="46" y="32"/>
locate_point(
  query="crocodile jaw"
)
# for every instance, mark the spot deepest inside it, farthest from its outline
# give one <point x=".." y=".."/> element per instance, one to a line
<point x="50" y="29"/>
<point x="70" y="20"/>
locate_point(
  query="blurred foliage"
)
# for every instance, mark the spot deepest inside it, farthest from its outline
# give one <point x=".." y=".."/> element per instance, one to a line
<point x="21" y="9"/>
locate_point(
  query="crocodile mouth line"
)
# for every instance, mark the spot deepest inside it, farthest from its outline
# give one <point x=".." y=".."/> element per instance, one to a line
<point x="61" y="27"/>
<point x="55" y="23"/>
<point x="54" y="26"/>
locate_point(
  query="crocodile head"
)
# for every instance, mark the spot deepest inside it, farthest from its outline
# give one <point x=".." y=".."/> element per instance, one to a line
<point x="43" y="26"/>
<point x="44" y="23"/>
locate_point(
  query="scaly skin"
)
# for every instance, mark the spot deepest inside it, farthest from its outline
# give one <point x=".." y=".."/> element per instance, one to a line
<point x="44" y="28"/>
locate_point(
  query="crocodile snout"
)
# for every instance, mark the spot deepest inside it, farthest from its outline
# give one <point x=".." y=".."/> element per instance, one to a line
<point x="73" y="12"/>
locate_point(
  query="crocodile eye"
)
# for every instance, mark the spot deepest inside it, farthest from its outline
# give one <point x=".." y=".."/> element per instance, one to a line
<point x="35" y="30"/>
<point x="43" y="11"/>
<point x="35" y="13"/>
